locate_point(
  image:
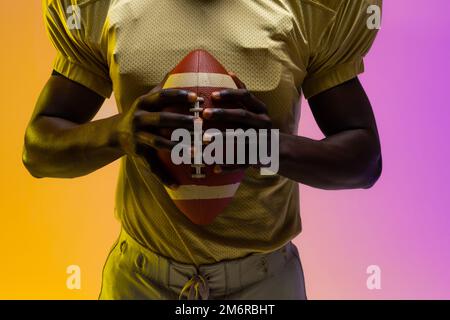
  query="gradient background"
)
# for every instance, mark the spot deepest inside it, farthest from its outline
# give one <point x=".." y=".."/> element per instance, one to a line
<point x="402" y="224"/>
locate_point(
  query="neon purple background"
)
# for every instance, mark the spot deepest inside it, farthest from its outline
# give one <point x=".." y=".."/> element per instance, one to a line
<point x="403" y="223"/>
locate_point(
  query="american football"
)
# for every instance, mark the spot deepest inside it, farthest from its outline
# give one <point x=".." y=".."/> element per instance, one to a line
<point x="202" y="194"/>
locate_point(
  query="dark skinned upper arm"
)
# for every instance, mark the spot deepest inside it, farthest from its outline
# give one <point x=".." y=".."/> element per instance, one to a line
<point x="344" y="107"/>
<point x="68" y="100"/>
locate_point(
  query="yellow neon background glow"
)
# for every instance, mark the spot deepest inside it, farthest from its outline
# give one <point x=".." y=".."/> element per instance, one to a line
<point x="48" y="224"/>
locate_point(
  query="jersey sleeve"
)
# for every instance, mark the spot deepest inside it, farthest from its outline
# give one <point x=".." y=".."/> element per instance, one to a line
<point x="338" y="55"/>
<point x="78" y="34"/>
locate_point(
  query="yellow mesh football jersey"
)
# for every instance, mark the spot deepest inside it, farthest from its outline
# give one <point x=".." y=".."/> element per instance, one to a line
<point x="279" y="48"/>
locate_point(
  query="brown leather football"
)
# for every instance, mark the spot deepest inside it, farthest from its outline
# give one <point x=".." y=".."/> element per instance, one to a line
<point x="202" y="194"/>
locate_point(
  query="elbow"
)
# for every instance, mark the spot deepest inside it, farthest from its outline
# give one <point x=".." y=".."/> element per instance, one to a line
<point x="364" y="175"/>
<point x="30" y="164"/>
<point x="373" y="174"/>
<point x="29" y="158"/>
<point x="371" y="168"/>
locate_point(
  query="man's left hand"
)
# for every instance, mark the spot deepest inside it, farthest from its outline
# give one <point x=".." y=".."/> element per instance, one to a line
<point x="249" y="113"/>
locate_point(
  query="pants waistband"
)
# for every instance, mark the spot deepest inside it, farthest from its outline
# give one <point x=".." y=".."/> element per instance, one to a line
<point x="222" y="278"/>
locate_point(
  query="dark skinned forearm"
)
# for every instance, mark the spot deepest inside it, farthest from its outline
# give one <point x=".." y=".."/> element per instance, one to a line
<point x="58" y="148"/>
<point x="347" y="160"/>
<point x="62" y="141"/>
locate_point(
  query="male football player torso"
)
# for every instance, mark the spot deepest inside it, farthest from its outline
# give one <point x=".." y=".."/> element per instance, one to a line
<point x="276" y="48"/>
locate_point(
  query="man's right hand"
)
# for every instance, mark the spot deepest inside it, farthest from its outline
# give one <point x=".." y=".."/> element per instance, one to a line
<point x="138" y="129"/>
<point x="62" y="141"/>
